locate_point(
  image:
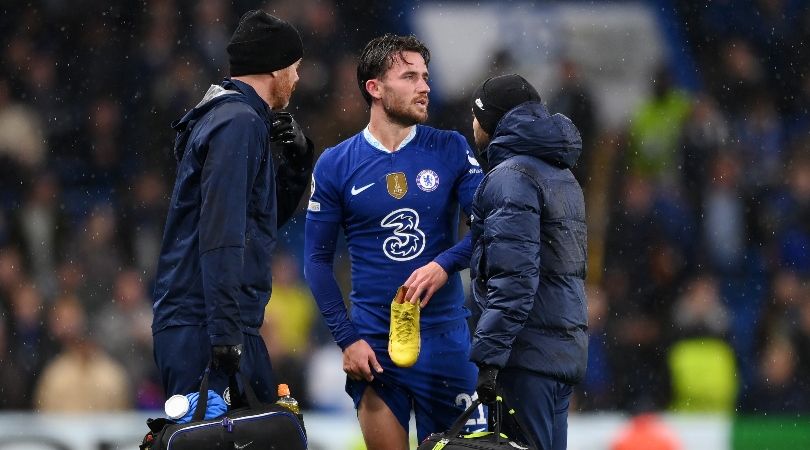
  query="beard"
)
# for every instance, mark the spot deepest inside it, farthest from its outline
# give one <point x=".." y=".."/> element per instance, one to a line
<point x="403" y="113"/>
<point x="282" y="94"/>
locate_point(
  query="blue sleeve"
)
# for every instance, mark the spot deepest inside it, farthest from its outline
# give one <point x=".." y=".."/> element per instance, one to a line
<point x="457" y="257"/>
<point x="233" y="149"/>
<point x="325" y="197"/>
<point x="319" y="249"/>
<point x="470" y="174"/>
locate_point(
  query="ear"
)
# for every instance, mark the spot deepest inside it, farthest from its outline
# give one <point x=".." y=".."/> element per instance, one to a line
<point x="374" y="88"/>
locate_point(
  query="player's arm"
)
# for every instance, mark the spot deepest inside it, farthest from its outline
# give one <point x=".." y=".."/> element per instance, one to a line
<point x="319" y="248"/>
<point x="426" y="280"/>
<point x="224" y="187"/>
<point x="324" y="215"/>
<point x="512" y="238"/>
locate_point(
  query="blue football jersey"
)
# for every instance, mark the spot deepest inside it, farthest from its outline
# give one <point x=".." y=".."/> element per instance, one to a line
<point x="398" y="210"/>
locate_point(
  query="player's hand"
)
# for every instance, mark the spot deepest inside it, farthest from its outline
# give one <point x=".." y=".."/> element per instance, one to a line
<point x="487" y="378"/>
<point x="424" y="282"/>
<point x="287" y="132"/>
<point x="226" y="358"/>
<point x="360" y="362"/>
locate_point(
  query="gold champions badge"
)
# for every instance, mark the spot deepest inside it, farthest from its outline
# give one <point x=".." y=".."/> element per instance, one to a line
<point x="397" y="184"/>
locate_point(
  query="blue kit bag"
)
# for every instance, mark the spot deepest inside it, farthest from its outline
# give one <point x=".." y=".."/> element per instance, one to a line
<point x="493" y="439"/>
<point x="247" y="425"/>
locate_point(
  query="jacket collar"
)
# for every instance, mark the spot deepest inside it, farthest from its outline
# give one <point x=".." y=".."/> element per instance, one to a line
<point x="251" y="97"/>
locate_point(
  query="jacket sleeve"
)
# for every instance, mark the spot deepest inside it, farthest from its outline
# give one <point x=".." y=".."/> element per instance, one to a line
<point x="511" y="239"/>
<point x="292" y="179"/>
<point x="233" y="151"/>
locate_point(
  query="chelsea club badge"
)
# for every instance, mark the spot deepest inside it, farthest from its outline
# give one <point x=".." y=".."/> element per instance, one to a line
<point x="427" y="180"/>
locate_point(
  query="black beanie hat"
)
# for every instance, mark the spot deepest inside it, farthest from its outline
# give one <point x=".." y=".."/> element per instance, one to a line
<point x="496" y="96"/>
<point x="262" y="44"/>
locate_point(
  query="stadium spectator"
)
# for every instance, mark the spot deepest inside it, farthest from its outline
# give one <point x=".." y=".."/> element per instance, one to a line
<point x="99" y="248"/>
<point x="125" y="324"/>
<point x="655" y="130"/>
<point x="15" y="381"/>
<point x="22" y="137"/>
<point x="143" y="212"/>
<point x="41" y="230"/>
<point x="777" y="389"/>
<point x="703" y="368"/>
<point x="82" y="377"/>
<point x="29" y="342"/>
<point x="288" y="325"/>
<point x="575" y="101"/>
<point x="596" y="391"/>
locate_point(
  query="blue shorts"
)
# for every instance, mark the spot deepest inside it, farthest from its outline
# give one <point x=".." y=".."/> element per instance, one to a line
<point x="439" y="387"/>
<point x="182" y="353"/>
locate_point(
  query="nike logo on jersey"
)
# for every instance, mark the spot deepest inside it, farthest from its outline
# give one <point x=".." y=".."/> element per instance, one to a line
<point x="356" y="190"/>
<point x="473" y="161"/>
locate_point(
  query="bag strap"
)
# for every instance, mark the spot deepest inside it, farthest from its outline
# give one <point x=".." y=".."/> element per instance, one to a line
<point x="202" y="400"/>
<point x="521" y="426"/>
<point x="233" y="387"/>
<point x="250" y="395"/>
<point x="455" y="429"/>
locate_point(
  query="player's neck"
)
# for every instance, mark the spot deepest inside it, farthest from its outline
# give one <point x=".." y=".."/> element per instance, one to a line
<point x="389" y="133"/>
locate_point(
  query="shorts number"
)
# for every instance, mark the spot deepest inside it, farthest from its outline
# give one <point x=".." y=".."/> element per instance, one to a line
<point x="465" y="401"/>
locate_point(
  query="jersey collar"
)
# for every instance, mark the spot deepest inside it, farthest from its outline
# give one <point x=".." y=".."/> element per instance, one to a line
<point x="376" y="144"/>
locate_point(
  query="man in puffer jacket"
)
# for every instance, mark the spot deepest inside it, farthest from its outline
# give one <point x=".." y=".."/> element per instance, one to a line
<point x="528" y="263"/>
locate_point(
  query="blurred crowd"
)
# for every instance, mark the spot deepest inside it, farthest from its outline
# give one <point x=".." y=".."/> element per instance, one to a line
<point x="699" y="207"/>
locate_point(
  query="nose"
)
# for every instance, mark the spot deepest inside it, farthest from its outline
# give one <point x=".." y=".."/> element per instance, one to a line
<point x="424" y="86"/>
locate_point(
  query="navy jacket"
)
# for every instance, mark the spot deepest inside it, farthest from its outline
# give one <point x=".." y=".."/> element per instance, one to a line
<point x="214" y="266"/>
<point x="529" y="248"/>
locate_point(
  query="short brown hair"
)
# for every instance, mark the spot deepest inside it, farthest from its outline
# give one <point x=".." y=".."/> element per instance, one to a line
<point x="379" y="54"/>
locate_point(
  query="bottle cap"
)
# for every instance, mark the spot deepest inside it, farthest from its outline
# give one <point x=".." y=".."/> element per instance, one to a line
<point x="283" y="390"/>
<point x="176" y="406"/>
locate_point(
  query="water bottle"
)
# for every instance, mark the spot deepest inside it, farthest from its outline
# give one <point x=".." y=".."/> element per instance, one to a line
<point x="177" y="406"/>
<point x="286" y="400"/>
<point x="180" y="408"/>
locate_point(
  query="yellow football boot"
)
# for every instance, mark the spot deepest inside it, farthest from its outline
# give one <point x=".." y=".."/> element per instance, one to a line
<point x="403" y="337"/>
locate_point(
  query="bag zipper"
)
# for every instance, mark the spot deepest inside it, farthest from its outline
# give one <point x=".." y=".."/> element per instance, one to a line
<point x="228" y="424"/>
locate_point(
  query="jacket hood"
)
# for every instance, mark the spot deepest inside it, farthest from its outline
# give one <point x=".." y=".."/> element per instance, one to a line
<point x="229" y="90"/>
<point x="529" y="129"/>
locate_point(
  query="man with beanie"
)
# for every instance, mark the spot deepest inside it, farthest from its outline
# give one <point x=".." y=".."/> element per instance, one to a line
<point x="396" y="189"/>
<point x="242" y="167"/>
<point x="528" y="262"/>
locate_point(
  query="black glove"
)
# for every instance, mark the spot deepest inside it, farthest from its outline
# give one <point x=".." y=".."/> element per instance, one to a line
<point x="226" y="358"/>
<point x="287" y="132"/>
<point x="487" y="376"/>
